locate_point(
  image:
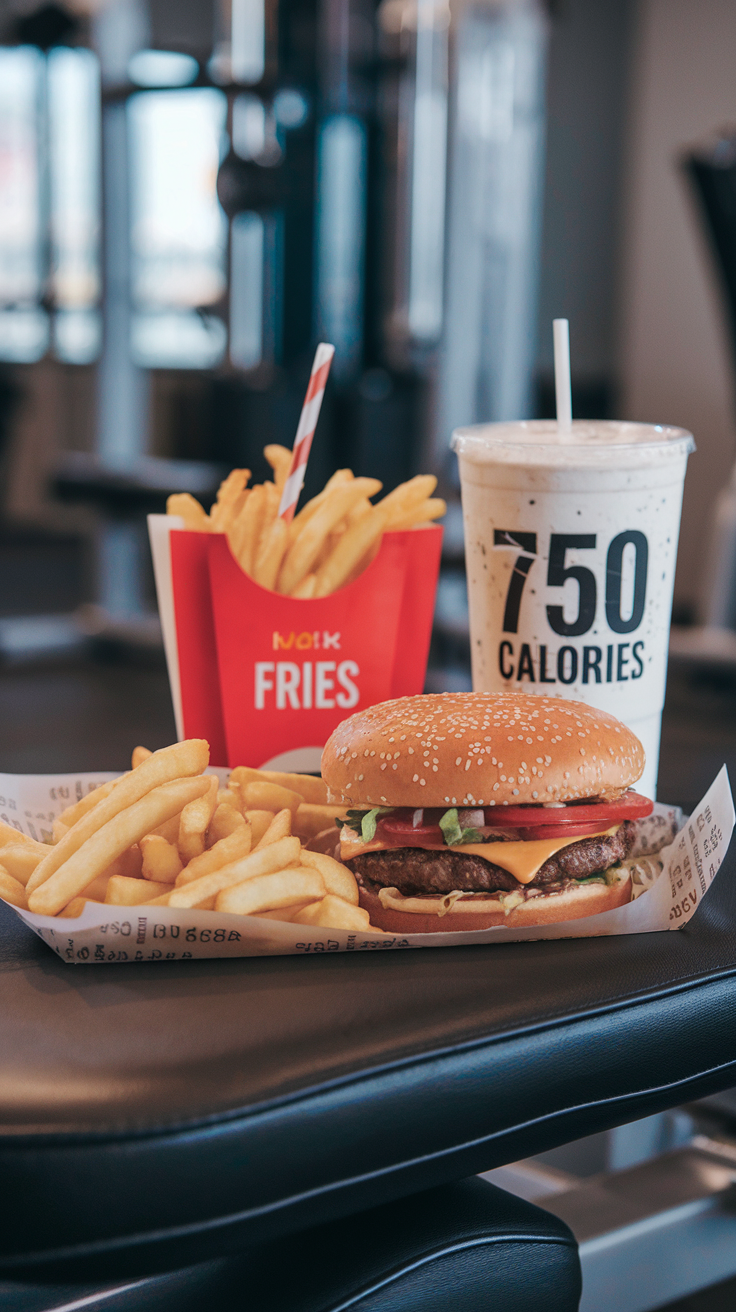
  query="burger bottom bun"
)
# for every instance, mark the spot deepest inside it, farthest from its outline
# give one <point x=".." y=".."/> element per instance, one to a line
<point x="476" y="913"/>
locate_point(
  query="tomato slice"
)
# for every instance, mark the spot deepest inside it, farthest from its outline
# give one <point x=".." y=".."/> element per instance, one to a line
<point x="399" y="826"/>
<point x="565" y="831"/>
<point x="632" y="806"/>
<point x="575" y="820"/>
<point x="401" y="834"/>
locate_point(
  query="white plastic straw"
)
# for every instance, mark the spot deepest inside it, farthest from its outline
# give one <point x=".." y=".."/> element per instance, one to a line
<point x="563" y="389"/>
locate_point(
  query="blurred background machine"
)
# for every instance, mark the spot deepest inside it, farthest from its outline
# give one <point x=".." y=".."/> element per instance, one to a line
<point x="711" y="171"/>
<point x="194" y="195"/>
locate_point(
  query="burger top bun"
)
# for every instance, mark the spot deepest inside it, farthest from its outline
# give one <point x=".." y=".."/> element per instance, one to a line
<point x="479" y="749"/>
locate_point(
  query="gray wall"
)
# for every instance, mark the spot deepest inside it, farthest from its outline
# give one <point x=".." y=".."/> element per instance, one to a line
<point x="588" y="79"/>
<point x="675" y="362"/>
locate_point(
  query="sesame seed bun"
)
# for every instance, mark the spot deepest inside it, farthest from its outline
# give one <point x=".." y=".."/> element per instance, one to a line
<point x="479" y="749"/>
<point x="421" y="915"/>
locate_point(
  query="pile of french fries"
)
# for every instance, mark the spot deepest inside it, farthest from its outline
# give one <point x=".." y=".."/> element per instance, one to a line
<point x="167" y="834"/>
<point x="332" y="539"/>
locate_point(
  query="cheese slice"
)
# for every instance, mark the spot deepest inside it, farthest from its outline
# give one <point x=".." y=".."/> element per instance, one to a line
<point x="523" y="859"/>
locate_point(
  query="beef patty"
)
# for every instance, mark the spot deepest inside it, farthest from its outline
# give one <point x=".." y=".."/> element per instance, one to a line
<point x="416" y="870"/>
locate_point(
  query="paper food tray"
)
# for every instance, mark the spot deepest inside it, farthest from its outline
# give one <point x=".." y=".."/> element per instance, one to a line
<point x="30" y="804"/>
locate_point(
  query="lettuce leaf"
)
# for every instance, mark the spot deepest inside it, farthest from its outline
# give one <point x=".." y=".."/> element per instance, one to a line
<point x="364" y="822"/>
<point x="453" y="834"/>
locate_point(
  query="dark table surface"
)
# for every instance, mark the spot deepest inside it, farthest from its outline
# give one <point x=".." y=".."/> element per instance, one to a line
<point x="344" y="1080"/>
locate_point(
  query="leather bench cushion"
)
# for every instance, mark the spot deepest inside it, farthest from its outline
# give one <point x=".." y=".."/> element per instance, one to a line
<point x="467" y="1245"/>
<point x="183" y="1107"/>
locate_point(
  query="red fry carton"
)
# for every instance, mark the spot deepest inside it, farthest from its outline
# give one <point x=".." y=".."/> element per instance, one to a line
<point x="188" y="631"/>
<point x="266" y="678"/>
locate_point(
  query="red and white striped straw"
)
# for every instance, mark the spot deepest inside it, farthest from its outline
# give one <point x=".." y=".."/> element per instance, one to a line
<point x="305" y="431"/>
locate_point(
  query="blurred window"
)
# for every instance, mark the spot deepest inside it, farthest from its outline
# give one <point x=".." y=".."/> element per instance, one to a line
<point x="23" y="325"/>
<point x="49" y="204"/>
<point x="246" y="290"/>
<point x="248" y="40"/>
<point x="50" y="213"/>
<point x="249" y="126"/>
<point x="74" y="153"/>
<point x="178" y="231"/>
<point x="162" y="68"/>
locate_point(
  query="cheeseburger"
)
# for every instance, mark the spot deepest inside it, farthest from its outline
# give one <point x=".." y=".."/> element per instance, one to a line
<point x="469" y="810"/>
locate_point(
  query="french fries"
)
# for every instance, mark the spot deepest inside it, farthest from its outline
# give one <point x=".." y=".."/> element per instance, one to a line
<point x="187" y="758"/>
<point x="75" y="812"/>
<point x="108" y="842"/>
<point x="189" y="509"/>
<point x="225" y="821"/>
<point x="124" y="892"/>
<point x="282" y="888"/>
<point x="11" y="890"/>
<point x="10" y="835"/>
<point x="284" y="913"/>
<point x="161" y="860"/>
<point x="311" y="818"/>
<point x="96" y="891"/>
<point x="163" y="901"/>
<point x="337" y="878"/>
<point x="230" y="498"/>
<point x="76" y="907"/>
<point x="167" y="835"/>
<point x="304" y="552"/>
<point x="260" y="822"/>
<point x="21" y="859"/>
<point x="229" y="849"/>
<point x="169" y="830"/>
<point x="332" y="539"/>
<point x="270" y="797"/>
<point x="194" y="821"/>
<point x="334" y="913"/>
<point x="279" y="458"/>
<point x="310" y="788"/>
<point x="279" y="827"/>
<point x="277" y="856"/>
<point x="129" y="863"/>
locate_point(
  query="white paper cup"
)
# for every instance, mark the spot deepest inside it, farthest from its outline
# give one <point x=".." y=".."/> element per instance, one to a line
<point x="571" y="544"/>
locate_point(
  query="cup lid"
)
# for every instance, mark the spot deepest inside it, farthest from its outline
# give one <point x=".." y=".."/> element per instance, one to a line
<point x="588" y="442"/>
